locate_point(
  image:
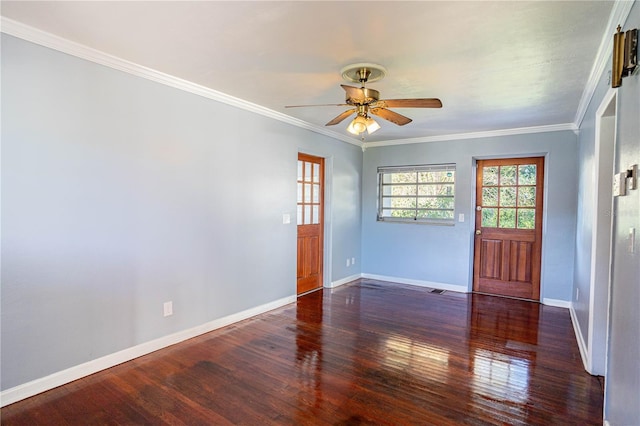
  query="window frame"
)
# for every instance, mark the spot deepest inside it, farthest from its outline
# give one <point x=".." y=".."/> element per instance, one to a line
<point x="381" y="198"/>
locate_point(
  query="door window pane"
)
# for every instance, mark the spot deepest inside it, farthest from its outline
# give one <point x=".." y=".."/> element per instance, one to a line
<point x="307" y="192"/>
<point x="527" y="174"/>
<point x="507" y="175"/>
<point x="316" y="215"/>
<point x="507" y="218"/>
<point x="307" y="171"/>
<point x="307" y="215"/>
<point x="526" y="196"/>
<point x="316" y="173"/>
<point x="490" y="196"/>
<point x="489" y="176"/>
<point x="490" y="218"/>
<point x="526" y="219"/>
<point x="508" y="196"/>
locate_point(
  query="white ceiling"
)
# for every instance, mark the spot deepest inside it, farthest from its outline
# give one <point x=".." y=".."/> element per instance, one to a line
<point x="494" y="64"/>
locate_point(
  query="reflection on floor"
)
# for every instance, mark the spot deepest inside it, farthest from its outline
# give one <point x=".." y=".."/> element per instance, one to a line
<point x="365" y="353"/>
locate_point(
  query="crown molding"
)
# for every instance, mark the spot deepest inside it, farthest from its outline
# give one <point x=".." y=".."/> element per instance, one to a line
<point x="8" y="26"/>
<point x="43" y="38"/>
<point x="476" y="135"/>
<point x="619" y="14"/>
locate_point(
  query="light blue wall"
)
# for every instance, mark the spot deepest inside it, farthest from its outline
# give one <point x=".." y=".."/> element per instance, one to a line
<point x="442" y="254"/>
<point x="585" y="225"/>
<point x="622" y="384"/>
<point x="119" y="194"/>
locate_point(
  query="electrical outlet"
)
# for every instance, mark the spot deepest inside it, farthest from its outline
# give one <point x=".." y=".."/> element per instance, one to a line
<point x="348" y="264"/>
<point x="168" y="308"/>
<point x="353" y="260"/>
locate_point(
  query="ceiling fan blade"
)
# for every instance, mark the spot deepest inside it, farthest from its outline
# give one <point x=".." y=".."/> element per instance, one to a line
<point x="341" y="117"/>
<point x="354" y="93"/>
<point x="410" y="103"/>
<point x="391" y="116"/>
<point x="314" y="105"/>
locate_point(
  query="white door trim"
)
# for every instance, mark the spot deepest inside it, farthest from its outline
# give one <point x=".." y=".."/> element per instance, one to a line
<point x="600" y="276"/>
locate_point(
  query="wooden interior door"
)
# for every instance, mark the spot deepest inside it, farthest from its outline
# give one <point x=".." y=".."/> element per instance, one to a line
<point x="508" y="238"/>
<point x="310" y="222"/>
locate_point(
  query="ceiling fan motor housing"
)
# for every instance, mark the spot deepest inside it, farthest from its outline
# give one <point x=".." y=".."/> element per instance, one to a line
<point x="368" y="97"/>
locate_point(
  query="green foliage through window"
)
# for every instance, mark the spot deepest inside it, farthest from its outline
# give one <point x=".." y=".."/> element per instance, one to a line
<point x="417" y="193"/>
<point x="509" y="196"/>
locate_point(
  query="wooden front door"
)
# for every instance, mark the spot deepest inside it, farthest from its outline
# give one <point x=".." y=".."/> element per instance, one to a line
<point x="508" y="235"/>
<point x="310" y="222"/>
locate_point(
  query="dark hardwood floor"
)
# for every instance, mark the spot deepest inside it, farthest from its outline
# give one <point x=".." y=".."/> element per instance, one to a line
<point x="365" y="353"/>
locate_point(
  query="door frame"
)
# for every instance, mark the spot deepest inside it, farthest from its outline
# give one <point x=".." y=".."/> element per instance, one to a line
<point x="602" y="233"/>
<point x="545" y="195"/>
<point x="327" y="237"/>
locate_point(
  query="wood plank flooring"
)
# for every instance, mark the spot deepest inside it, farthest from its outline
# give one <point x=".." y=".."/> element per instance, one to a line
<point x="365" y="353"/>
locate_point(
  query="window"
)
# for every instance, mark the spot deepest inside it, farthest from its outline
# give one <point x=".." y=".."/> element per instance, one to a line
<point x="309" y="191"/>
<point x="422" y="194"/>
<point x="508" y="198"/>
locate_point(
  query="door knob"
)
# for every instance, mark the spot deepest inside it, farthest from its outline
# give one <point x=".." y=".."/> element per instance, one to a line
<point x="478" y="232"/>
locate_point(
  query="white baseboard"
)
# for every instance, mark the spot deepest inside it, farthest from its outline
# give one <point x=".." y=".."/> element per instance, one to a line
<point x="59" y="378"/>
<point x="557" y="303"/>
<point x="419" y="283"/>
<point x="344" y="281"/>
<point x="581" y="343"/>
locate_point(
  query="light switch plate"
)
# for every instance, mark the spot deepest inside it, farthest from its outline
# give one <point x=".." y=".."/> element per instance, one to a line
<point x="167" y="308"/>
<point x="619" y="184"/>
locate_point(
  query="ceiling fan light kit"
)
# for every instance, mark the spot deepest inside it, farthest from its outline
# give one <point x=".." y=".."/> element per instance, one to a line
<point x="358" y="125"/>
<point x="372" y="126"/>
<point x="362" y="123"/>
<point x="366" y="102"/>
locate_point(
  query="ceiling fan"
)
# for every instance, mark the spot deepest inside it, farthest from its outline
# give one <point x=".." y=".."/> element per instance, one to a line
<point x="366" y="102"/>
